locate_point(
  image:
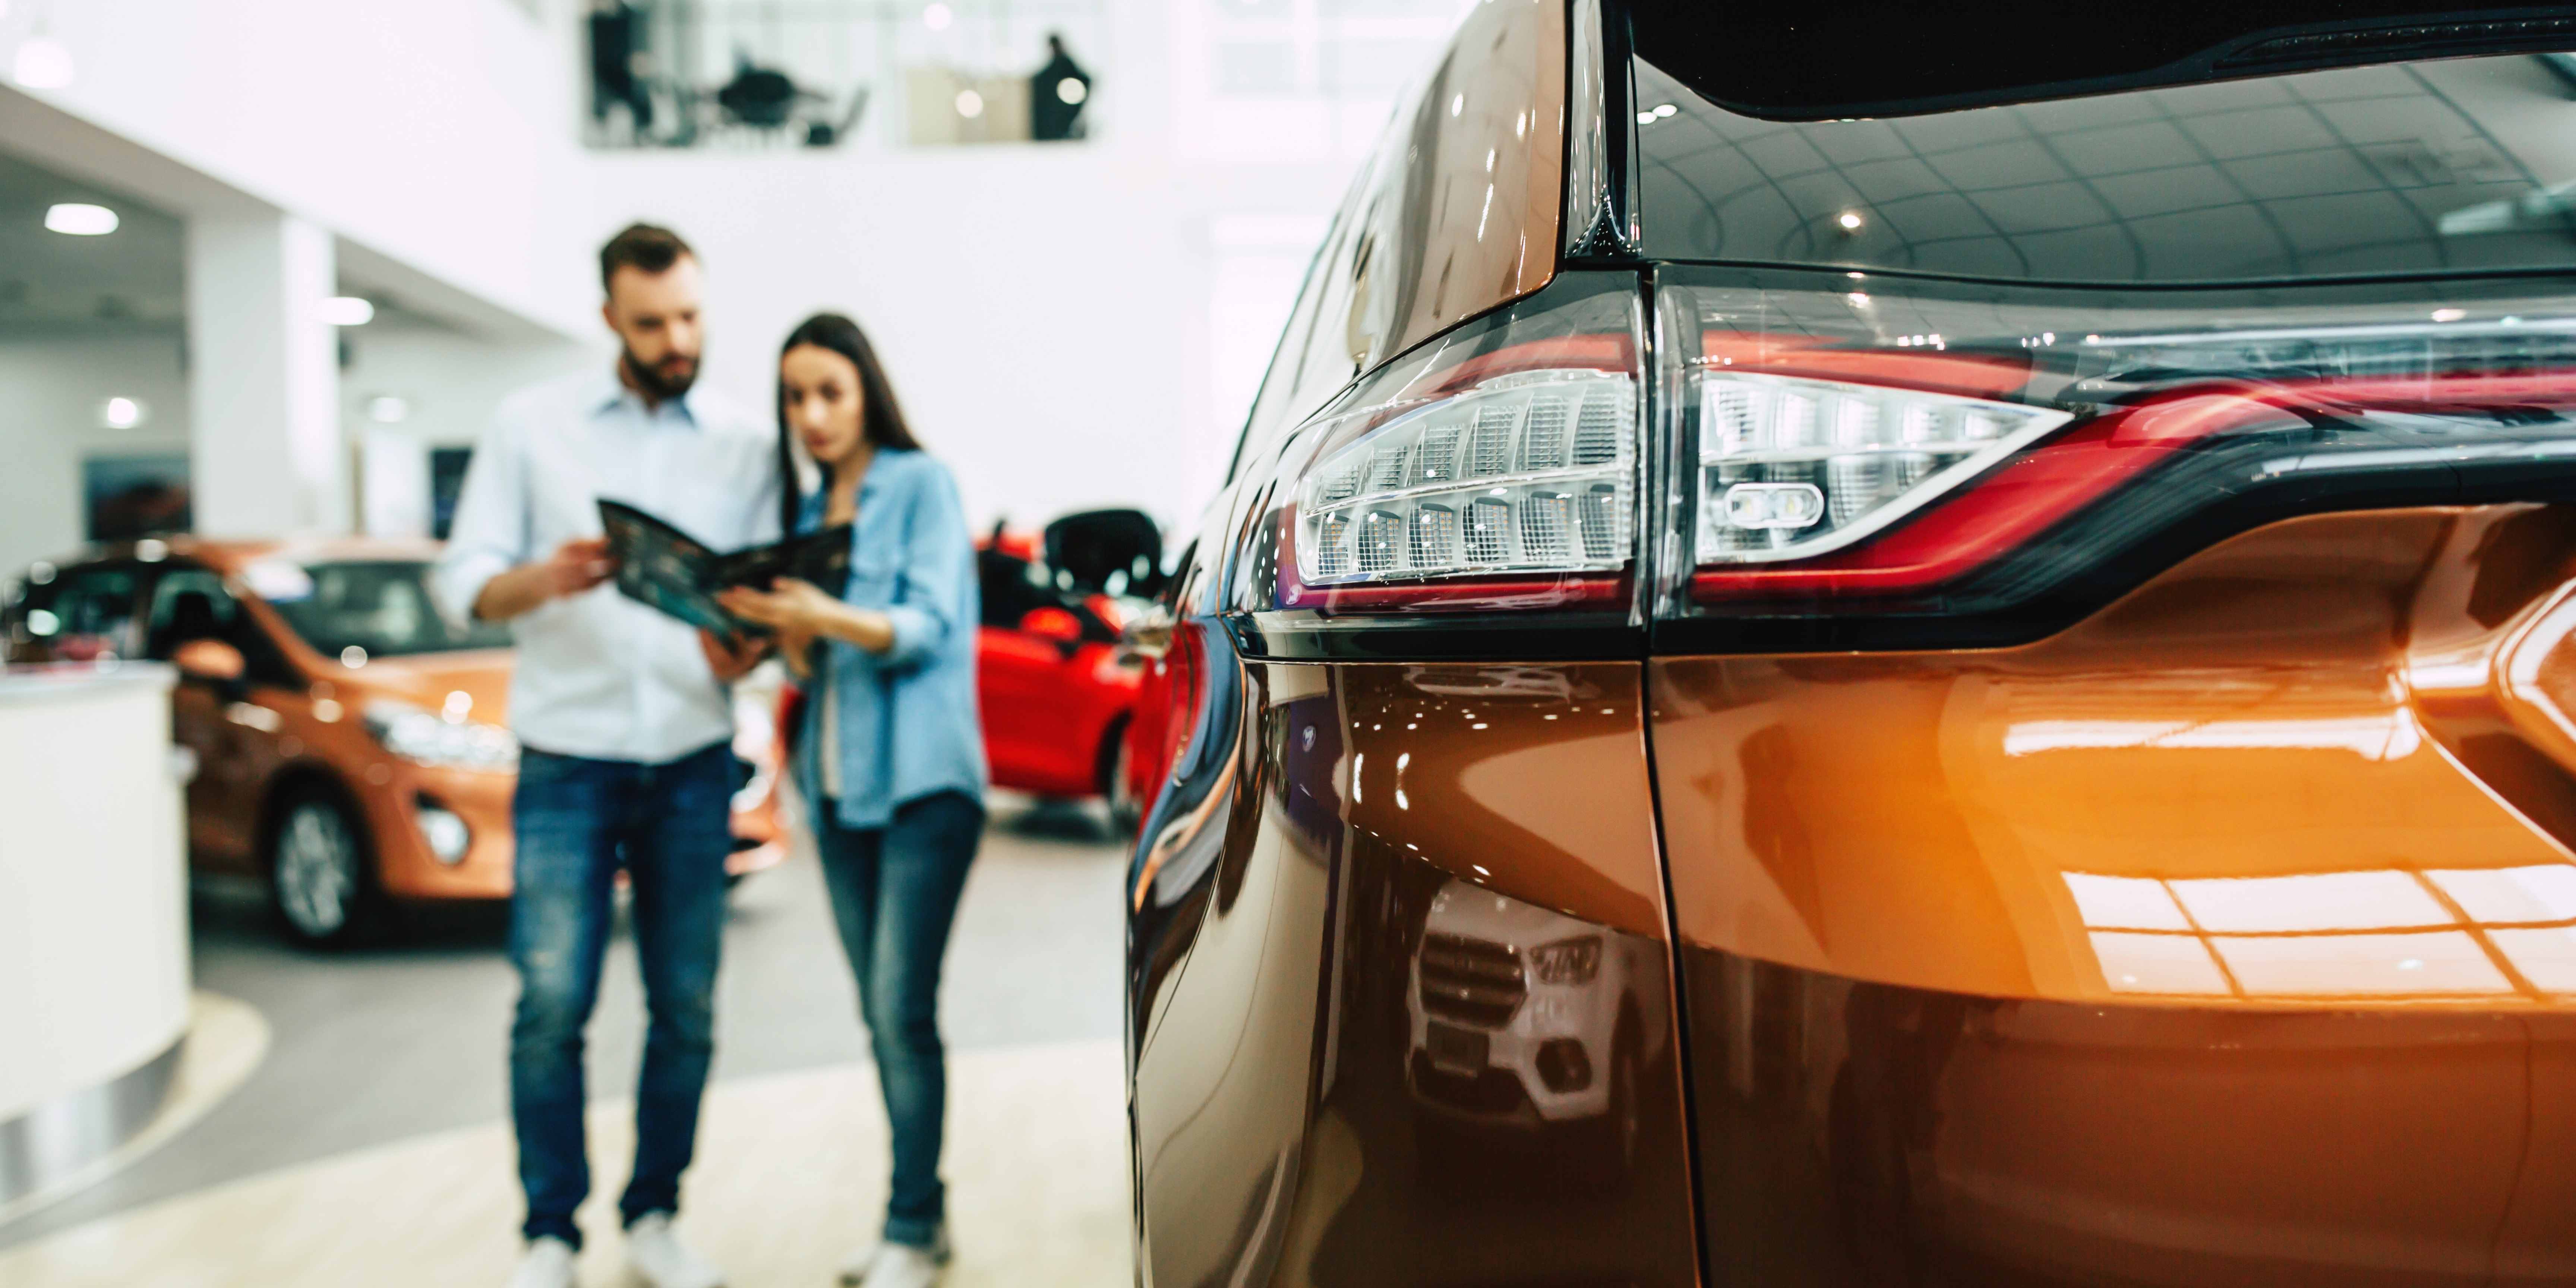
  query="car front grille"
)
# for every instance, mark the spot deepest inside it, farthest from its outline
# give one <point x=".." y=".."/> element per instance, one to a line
<point x="1471" y="981"/>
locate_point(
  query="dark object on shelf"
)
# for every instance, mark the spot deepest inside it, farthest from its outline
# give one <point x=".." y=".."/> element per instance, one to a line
<point x="763" y="98"/>
<point x="1057" y="95"/>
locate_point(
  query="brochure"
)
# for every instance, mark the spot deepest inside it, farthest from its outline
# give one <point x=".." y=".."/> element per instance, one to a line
<point x="659" y="565"/>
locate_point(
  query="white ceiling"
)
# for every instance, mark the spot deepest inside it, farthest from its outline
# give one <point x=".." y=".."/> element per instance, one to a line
<point x="131" y="280"/>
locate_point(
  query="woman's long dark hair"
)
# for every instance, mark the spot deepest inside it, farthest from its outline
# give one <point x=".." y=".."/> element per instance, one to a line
<point x="881" y="419"/>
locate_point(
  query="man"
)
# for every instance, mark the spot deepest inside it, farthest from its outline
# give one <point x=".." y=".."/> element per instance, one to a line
<point x="627" y="732"/>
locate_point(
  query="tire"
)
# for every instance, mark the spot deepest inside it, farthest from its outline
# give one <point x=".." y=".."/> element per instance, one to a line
<point x="1126" y="814"/>
<point x="321" y="875"/>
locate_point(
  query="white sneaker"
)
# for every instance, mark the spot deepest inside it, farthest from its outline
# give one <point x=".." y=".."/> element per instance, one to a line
<point x="656" y="1255"/>
<point x="547" y="1264"/>
<point x="897" y="1265"/>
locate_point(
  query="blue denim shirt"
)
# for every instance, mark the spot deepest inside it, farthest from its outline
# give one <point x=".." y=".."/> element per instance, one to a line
<point x="906" y="719"/>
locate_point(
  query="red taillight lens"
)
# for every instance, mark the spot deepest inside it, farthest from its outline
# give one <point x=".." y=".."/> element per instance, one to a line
<point x="1842" y="453"/>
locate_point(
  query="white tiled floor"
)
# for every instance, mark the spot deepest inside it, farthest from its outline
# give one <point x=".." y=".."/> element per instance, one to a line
<point x="790" y="1176"/>
<point x="370" y="1147"/>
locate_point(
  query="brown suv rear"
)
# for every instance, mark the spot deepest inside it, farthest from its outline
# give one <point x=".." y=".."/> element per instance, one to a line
<point x="1933" y="668"/>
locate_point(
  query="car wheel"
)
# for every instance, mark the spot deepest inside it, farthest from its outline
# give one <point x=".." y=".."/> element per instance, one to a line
<point x="318" y="873"/>
<point x="1126" y="813"/>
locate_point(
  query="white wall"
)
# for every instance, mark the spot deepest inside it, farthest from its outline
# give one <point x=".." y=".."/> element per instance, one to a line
<point x="51" y="392"/>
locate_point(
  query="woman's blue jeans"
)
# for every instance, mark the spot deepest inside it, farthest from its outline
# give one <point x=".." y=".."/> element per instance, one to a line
<point x="894" y="897"/>
<point x="578" y="822"/>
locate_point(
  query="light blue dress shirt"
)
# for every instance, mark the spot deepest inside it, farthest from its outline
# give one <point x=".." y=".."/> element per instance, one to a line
<point x="886" y="729"/>
<point x="598" y="674"/>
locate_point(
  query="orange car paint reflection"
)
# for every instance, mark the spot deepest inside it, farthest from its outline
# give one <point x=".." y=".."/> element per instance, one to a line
<point x="2297" y="806"/>
<point x="1855" y="1135"/>
<point x="2227" y="789"/>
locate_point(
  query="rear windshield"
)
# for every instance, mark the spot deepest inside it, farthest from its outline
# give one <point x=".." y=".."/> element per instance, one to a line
<point x="2432" y="167"/>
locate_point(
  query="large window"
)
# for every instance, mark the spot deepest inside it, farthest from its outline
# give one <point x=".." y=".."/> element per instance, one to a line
<point x="822" y="73"/>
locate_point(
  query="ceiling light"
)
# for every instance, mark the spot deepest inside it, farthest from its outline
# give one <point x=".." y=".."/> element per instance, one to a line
<point x="1645" y="118"/>
<point x="78" y="219"/>
<point x="122" y="412"/>
<point x="388" y="409"/>
<point x="2449" y="315"/>
<point x="1849" y="219"/>
<point x="969" y="103"/>
<point x="1666" y="109"/>
<point x="937" y="17"/>
<point x="42" y="63"/>
<point x="348" y="310"/>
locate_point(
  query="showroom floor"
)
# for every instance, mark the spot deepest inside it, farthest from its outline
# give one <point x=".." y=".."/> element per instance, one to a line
<point x="369" y="1144"/>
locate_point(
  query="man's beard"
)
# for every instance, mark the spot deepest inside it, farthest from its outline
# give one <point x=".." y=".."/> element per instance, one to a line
<point x="656" y="385"/>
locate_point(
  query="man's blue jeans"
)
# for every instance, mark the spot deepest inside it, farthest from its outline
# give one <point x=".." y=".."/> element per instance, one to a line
<point x="894" y="896"/>
<point x="579" y="821"/>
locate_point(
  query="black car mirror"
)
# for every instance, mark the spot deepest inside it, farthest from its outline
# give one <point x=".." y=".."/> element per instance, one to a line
<point x="1118" y="552"/>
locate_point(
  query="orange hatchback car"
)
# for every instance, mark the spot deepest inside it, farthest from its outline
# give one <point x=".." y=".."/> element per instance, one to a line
<point x="351" y="748"/>
<point x="1853" y="648"/>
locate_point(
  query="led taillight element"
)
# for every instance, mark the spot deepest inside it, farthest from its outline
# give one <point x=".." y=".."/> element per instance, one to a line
<point x="1792" y="467"/>
<point x="1528" y="473"/>
<point x="2017" y="490"/>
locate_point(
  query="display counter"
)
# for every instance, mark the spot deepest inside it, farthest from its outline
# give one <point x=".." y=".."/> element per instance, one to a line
<point x="93" y="914"/>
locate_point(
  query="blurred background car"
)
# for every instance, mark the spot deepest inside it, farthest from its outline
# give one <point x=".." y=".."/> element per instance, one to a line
<point x="352" y="749"/>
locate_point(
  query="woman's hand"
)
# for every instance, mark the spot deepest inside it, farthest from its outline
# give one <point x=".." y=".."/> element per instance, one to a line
<point x="790" y="607"/>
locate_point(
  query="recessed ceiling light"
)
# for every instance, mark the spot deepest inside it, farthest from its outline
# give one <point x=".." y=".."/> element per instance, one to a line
<point x="2449" y="315"/>
<point x="42" y="63"/>
<point x="80" y="219"/>
<point x="1849" y="219"/>
<point x="122" y="412"/>
<point x="348" y="310"/>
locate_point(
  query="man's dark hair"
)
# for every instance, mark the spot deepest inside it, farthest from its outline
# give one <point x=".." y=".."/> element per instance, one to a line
<point x="647" y="248"/>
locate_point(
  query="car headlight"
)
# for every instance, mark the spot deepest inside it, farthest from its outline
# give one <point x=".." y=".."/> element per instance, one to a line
<point x="1567" y="961"/>
<point x="427" y="738"/>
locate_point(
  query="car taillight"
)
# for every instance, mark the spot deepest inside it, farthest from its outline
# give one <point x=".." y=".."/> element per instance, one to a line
<point x="1792" y="468"/>
<point x="1534" y="472"/>
<point x="1495" y="471"/>
<point x="1853" y="454"/>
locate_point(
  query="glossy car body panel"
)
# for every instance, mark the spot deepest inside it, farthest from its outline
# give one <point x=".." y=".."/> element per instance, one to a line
<point x="1871" y="1134"/>
<point x="1349" y="1065"/>
<point x="2225" y="938"/>
<point x="2226" y="789"/>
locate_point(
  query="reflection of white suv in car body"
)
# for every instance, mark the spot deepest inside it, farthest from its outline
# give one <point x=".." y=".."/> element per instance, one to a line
<point x="1527" y="1016"/>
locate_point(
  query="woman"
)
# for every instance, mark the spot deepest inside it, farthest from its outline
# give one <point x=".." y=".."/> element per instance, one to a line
<point x="891" y="758"/>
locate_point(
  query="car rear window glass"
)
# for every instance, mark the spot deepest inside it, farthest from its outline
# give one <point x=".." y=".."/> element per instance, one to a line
<point x="2425" y="167"/>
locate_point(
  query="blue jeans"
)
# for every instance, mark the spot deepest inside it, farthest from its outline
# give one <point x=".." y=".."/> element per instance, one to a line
<point x="894" y="897"/>
<point x="579" y="821"/>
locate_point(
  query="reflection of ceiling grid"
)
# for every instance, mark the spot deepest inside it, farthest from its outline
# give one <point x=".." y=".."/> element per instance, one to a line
<point x="2020" y="189"/>
<point x="2543" y="970"/>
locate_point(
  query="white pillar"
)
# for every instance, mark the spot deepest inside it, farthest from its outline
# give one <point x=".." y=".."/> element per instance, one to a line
<point x="266" y="453"/>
